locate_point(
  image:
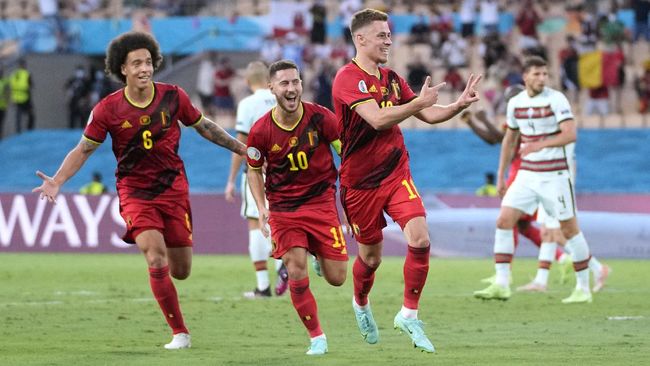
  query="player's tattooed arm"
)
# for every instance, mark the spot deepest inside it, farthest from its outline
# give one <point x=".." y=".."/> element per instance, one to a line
<point x="213" y="132"/>
<point x="69" y="167"/>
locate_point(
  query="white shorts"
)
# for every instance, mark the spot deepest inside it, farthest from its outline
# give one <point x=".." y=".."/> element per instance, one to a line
<point x="248" y="206"/>
<point x="550" y="191"/>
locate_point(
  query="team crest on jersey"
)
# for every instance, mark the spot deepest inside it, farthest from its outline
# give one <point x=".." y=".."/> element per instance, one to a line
<point x="373" y="88"/>
<point x="126" y="124"/>
<point x="145" y="120"/>
<point x="313" y="138"/>
<point x="384" y="91"/>
<point x="253" y="153"/>
<point x="362" y="86"/>
<point x="396" y="89"/>
<point x="165" y="119"/>
<point x="276" y="148"/>
<point x="293" y="141"/>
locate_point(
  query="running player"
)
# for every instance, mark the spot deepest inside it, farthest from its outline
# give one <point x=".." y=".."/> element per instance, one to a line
<point x="293" y="140"/>
<point x="370" y="101"/>
<point x="143" y="122"/>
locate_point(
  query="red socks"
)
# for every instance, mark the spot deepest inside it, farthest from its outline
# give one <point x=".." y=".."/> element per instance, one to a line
<point x="305" y="305"/>
<point x="165" y="293"/>
<point x="416" y="268"/>
<point x="363" y="277"/>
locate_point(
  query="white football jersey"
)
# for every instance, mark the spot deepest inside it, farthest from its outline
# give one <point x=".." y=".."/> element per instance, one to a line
<point x="538" y="118"/>
<point x="251" y="108"/>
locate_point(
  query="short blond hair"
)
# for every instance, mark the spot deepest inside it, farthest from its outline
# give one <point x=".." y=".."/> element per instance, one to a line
<point x="366" y="16"/>
<point x="257" y="73"/>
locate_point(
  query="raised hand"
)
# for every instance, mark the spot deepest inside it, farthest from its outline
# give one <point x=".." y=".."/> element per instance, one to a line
<point x="429" y="94"/>
<point x="469" y="95"/>
<point x="49" y="189"/>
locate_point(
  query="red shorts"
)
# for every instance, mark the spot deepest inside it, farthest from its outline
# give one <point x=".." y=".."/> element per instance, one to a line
<point x="365" y="208"/>
<point x="172" y="218"/>
<point x="316" y="229"/>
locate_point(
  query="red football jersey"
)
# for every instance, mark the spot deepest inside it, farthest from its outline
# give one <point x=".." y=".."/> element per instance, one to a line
<point x="300" y="169"/>
<point x="368" y="156"/>
<point x="145" y="140"/>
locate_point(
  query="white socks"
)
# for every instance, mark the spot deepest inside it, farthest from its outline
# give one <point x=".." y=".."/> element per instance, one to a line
<point x="409" y="313"/>
<point x="504" y="243"/>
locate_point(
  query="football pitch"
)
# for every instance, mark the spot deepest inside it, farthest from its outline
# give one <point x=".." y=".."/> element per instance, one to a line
<point x="79" y="309"/>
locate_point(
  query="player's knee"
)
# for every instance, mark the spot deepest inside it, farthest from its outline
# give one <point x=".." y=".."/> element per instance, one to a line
<point x="505" y="223"/>
<point x="297" y="271"/>
<point x="181" y="273"/>
<point x="372" y="261"/>
<point x="337" y="278"/>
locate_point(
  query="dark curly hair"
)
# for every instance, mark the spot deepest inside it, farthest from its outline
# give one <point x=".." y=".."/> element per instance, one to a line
<point x="125" y="43"/>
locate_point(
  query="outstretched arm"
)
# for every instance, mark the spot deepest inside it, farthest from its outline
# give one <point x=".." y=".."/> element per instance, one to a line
<point x="213" y="132"/>
<point x="235" y="164"/>
<point x="69" y="167"/>
<point x="385" y="118"/>
<point x="482" y="127"/>
<point x="439" y="113"/>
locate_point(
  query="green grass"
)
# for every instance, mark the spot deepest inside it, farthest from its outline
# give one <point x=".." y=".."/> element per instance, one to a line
<point x="62" y="309"/>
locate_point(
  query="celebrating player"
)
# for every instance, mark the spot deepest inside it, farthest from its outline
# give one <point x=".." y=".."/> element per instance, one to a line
<point x="249" y="110"/>
<point x="542" y="117"/>
<point x="294" y="139"/>
<point x="370" y="101"/>
<point x="143" y="122"/>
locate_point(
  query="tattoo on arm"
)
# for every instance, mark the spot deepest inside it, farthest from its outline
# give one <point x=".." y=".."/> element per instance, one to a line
<point x="87" y="147"/>
<point x="213" y="132"/>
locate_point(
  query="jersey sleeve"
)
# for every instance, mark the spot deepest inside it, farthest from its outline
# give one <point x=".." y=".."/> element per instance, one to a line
<point x="329" y="125"/>
<point x="96" y="127"/>
<point x="511" y="122"/>
<point x="561" y="108"/>
<point x="243" y="120"/>
<point x="255" y="149"/>
<point x="407" y="93"/>
<point x="351" y="88"/>
<point x="188" y="114"/>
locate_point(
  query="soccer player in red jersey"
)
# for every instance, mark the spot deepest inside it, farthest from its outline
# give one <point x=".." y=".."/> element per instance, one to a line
<point x="143" y="121"/>
<point x="293" y="140"/>
<point x="370" y="101"/>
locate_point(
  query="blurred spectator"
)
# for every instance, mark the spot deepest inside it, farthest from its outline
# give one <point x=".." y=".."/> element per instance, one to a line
<point x="205" y="81"/>
<point x="299" y="26"/>
<point x="569" y="68"/>
<point x="77" y="89"/>
<point x="468" y="18"/>
<point x="95" y="187"/>
<point x="223" y="76"/>
<point x="271" y="50"/>
<point x="322" y="84"/>
<point x="442" y="24"/>
<point x="492" y="49"/>
<point x="420" y="31"/>
<point x="527" y="21"/>
<point x="50" y="13"/>
<point x="4" y="99"/>
<point x="611" y="30"/>
<point x="598" y="101"/>
<point x="453" y="51"/>
<point x="21" y="86"/>
<point x="417" y="73"/>
<point x="454" y="81"/>
<point x="489" y="16"/>
<point x="319" y="22"/>
<point x="641" y="28"/>
<point x="101" y="87"/>
<point x="293" y="49"/>
<point x="85" y="7"/>
<point x="348" y="8"/>
<point x="642" y="86"/>
<point x="488" y="189"/>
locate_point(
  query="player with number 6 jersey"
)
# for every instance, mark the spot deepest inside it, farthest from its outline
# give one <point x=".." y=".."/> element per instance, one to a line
<point x="292" y="144"/>
<point x="143" y="121"/>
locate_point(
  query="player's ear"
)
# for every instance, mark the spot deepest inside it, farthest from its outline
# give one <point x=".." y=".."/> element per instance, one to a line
<point x="123" y="69"/>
